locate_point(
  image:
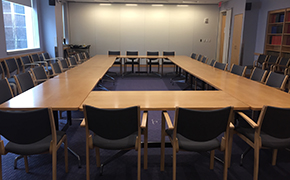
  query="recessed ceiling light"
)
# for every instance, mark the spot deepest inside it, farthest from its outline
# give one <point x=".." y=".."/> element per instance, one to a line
<point x="131" y="5"/>
<point x="182" y="5"/>
<point x="157" y="5"/>
<point x="105" y="4"/>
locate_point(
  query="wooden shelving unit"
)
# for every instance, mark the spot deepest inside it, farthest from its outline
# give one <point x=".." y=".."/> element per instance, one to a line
<point x="278" y="33"/>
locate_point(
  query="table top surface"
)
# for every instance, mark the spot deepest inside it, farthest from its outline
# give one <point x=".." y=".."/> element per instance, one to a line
<point x="163" y="100"/>
<point x="254" y="94"/>
<point x="70" y="89"/>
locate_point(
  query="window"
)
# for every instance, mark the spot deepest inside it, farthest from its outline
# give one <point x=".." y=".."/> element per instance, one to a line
<point x="21" y="27"/>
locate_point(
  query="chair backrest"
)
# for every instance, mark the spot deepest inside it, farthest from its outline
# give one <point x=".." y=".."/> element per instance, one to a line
<point x="199" y="57"/>
<point x="87" y="55"/>
<point x="45" y="55"/>
<point x="23" y="81"/>
<point x="168" y="53"/>
<point x="258" y="75"/>
<point x="2" y="71"/>
<point x="238" y="70"/>
<point x="275" y="122"/>
<point x="5" y="91"/>
<point x="262" y="58"/>
<point x="200" y="125"/>
<point x="193" y="56"/>
<point x="114" y="53"/>
<point x="39" y="73"/>
<point x="221" y="66"/>
<point x="284" y="62"/>
<point x="26" y="127"/>
<point x="114" y="123"/>
<point x="35" y="57"/>
<point x="152" y="53"/>
<point x="273" y="59"/>
<point x="276" y="80"/>
<point x="132" y="53"/>
<point x="72" y="61"/>
<point x="204" y="59"/>
<point x="24" y="60"/>
<point x="64" y="64"/>
<point x="55" y="67"/>
<point x="212" y="62"/>
<point x="11" y="66"/>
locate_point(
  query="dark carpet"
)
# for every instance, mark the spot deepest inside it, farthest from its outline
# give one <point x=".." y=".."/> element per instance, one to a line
<point x="189" y="165"/>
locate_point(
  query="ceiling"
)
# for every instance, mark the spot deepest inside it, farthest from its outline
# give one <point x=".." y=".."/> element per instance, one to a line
<point x="156" y="1"/>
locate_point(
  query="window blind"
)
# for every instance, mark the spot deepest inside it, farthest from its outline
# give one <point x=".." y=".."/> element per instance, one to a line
<point x="22" y="2"/>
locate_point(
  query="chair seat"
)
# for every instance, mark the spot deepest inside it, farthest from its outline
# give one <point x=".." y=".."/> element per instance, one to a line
<point x="34" y="148"/>
<point x="124" y="143"/>
<point x="190" y="145"/>
<point x="167" y="62"/>
<point x="267" y="140"/>
<point x="117" y="62"/>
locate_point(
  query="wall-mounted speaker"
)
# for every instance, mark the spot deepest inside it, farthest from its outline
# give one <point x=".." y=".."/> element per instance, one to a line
<point x="248" y="6"/>
<point x="51" y="2"/>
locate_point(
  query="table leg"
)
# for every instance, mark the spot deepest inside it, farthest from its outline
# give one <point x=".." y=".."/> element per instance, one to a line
<point x="55" y="116"/>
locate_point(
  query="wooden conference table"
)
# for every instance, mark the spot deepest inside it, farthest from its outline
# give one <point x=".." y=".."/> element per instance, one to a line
<point x="71" y="89"/>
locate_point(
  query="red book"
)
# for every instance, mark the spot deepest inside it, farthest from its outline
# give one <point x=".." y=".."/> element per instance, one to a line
<point x="288" y="16"/>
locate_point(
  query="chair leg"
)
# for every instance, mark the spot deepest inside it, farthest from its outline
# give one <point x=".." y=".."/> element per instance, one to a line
<point x="162" y="70"/>
<point x="146" y="146"/>
<point x="162" y="158"/>
<point x="139" y="160"/>
<point x="26" y="164"/>
<point x="274" y="157"/>
<point x="87" y="159"/>
<point x="98" y="160"/>
<point x="211" y="163"/>
<point x="121" y="69"/>
<point x="65" y="155"/>
<point x="54" y="163"/>
<point x="174" y="160"/>
<point x="256" y="162"/>
<point x="230" y="147"/>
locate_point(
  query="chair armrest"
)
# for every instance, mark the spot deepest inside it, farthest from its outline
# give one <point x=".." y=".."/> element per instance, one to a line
<point x="248" y="120"/>
<point x="83" y="123"/>
<point x="232" y="126"/>
<point x="167" y="120"/>
<point x="39" y="80"/>
<point x="144" y="120"/>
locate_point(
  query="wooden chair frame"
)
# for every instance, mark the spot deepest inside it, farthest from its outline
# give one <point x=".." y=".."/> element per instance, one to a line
<point x="54" y="146"/>
<point x="142" y="125"/>
<point x="283" y="85"/>
<point x="174" y="142"/>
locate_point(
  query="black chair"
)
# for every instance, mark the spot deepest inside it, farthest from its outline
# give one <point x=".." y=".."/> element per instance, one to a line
<point x="193" y="56"/>
<point x="117" y="129"/>
<point x="25" y="63"/>
<point x="260" y="61"/>
<point x="46" y="57"/>
<point x="131" y="61"/>
<point x="56" y="69"/>
<point x="39" y="74"/>
<point x="258" y="75"/>
<point x="32" y="132"/>
<point x="64" y="65"/>
<point x="166" y="61"/>
<point x="199" y="58"/>
<point x="72" y="61"/>
<point x="24" y="82"/>
<point x="5" y="91"/>
<point x="118" y="61"/>
<point x="196" y="130"/>
<point x="11" y="69"/>
<point x="238" y="70"/>
<point x="212" y="62"/>
<point x="221" y="66"/>
<point x="271" y="61"/>
<point x="152" y="61"/>
<point x="204" y="59"/>
<point x="271" y="131"/>
<point x="276" y="80"/>
<point x="282" y="66"/>
<point x="2" y="72"/>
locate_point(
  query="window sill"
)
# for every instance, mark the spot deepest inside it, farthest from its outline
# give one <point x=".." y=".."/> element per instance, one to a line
<point x="22" y="51"/>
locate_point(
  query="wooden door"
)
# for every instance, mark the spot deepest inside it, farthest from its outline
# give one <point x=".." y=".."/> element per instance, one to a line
<point x="236" y="42"/>
<point x="222" y="35"/>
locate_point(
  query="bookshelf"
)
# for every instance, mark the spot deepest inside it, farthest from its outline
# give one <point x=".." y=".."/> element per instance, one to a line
<point x="278" y="33"/>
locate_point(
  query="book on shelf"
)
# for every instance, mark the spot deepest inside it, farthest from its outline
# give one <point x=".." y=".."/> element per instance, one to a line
<point x="275" y="40"/>
<point x="288" y="41"/>
<point x="288" y="17"/>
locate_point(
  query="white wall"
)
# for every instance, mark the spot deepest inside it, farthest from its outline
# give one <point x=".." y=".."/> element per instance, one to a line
<point x="144" y="28"/>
